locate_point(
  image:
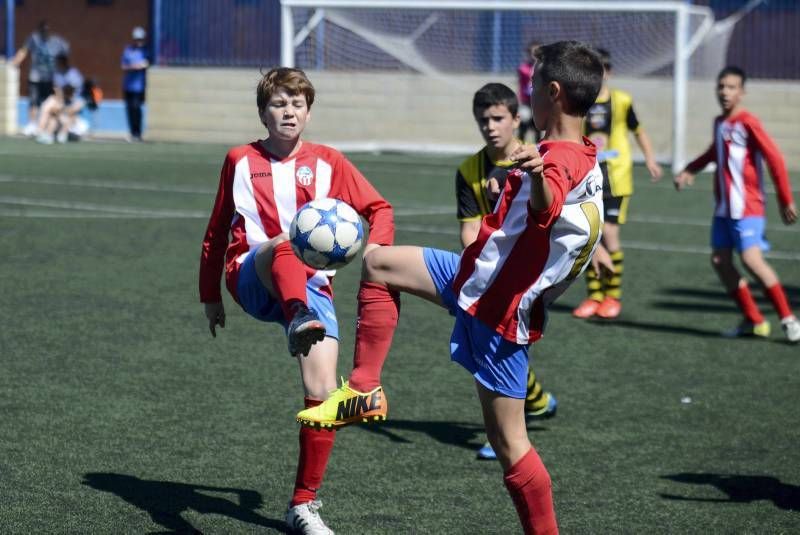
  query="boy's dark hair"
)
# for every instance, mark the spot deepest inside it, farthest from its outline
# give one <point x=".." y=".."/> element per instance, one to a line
<point x="732" y="70"/>
<point x="494" y="94"/>
<point x="577" y="68"/>
<point x="605" y="57"/>
<point x="294" y="81"/>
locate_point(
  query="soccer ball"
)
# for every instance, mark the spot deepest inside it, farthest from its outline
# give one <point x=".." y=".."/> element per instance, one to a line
<point x="326" y="233"/>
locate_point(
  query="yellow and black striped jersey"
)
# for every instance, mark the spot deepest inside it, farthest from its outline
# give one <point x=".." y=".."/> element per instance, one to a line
<point x="471" y="180"/>
<point x="607" y="125"/>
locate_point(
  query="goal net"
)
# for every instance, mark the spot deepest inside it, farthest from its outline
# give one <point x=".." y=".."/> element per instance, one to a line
<point x="445" y="42"/>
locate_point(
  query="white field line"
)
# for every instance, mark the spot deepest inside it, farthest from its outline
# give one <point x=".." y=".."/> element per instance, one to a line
<point x="108" y="184"/>
<point x="648" y="219"/>
<point x="72" y="210"/>
<point x="635" y="245"/>
<point x="102" y="208"/>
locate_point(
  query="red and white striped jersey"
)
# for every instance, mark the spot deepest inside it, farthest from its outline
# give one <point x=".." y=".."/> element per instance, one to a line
<point x="522" y="260"/>
<point x="259" y="195"/>
<point x="740" y="144"/>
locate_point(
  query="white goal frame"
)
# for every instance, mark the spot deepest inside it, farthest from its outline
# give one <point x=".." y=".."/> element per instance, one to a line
<point x="684" y="44"/>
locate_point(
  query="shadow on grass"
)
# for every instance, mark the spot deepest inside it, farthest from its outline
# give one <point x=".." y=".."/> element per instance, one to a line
<point x="792" y="292"/>
<point x="164" y="501"/>
<point x="658" y="327"/>
<point x="463" y="435"/>
<point x="741" y="489"/>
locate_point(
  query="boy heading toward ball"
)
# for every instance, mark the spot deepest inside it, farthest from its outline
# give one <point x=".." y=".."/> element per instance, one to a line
<point x="262" y="185"/>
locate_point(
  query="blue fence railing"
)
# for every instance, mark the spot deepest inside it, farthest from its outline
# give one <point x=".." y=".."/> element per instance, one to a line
<point x="247" y="33"/>
<point x="218" y="32"/>
<point x="766" y="40"/>
<point x="6" y="27"/>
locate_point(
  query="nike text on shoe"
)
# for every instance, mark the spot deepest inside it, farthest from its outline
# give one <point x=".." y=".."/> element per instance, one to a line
<point x="305" y="519"/>
<point x="346" y="406"/>
<point x="305" y="330"/>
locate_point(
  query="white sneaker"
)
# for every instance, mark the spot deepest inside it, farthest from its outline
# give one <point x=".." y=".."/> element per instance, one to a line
<point x="30" y="130"/>
<point x="791" y="328"/>
<point x="305" y="519"/>
<point x="62" y="137"/>
<point x="45" y="139"/>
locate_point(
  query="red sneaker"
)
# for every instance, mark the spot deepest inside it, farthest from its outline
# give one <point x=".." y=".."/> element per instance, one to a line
<point x="609" y="308"/>
<point x="586" y="309"/>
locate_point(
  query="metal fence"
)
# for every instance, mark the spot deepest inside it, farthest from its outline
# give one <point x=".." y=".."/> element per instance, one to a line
<point x="6" y="33"/>
<point x="217" y="32"/>
<point x="765" y="42"/>
<point x="247" y="33"/>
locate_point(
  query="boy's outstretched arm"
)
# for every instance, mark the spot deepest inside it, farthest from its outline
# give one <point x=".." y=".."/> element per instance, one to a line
<point x="686" y="177"/>
<point x="643" y="140"/>
<point x="777" y="169"/>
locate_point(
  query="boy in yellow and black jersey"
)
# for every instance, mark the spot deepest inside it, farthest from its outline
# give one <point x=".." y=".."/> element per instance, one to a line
<point x="607" y="125"/>
<point x="479" y="180"/>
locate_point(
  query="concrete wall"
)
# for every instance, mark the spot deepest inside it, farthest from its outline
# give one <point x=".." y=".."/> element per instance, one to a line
<point x="9" y="89"/>
<point x="407" y="110"/>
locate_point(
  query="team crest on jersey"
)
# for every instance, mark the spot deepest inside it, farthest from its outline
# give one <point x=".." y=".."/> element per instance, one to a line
<point x="735" y="134"/>
<point x="598" y="117"/>
<point x="304" y="176"/>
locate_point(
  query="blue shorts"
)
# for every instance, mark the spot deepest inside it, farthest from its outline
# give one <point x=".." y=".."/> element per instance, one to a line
<point x="256" y="300"/>
<point x="497" y="364"/>
<point x="739" y="234"/>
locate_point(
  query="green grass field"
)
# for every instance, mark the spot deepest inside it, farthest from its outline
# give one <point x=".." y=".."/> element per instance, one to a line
<point x="120" y="414"/>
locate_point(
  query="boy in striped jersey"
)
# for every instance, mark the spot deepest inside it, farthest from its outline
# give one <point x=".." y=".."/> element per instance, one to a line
<point x="261" y="187"/>
<point x="739" y="145"/>
<point x="478" y="181"/>
<point x="538" y="239"/>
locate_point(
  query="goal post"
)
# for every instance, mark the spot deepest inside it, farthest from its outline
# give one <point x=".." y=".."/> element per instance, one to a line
<point x="437" y="38"/>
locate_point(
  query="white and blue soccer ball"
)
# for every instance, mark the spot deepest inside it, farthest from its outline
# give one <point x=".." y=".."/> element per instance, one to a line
<point x="326" y="233"/>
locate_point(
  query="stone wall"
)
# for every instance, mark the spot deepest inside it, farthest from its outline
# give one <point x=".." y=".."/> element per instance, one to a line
<point x="408" y="111"/>
<point x="9" y="89"/>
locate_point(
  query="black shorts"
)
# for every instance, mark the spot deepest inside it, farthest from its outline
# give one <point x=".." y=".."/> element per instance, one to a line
<point x="615" y="209"/>
<point x="38" y="92"/>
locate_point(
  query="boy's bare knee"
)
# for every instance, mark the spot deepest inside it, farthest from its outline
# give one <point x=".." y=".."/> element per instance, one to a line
<point x="373" y="267"/>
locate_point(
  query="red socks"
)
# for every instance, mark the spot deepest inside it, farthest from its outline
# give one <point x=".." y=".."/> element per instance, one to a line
<point x="777" y="295"/>
<point x="747" y="304"/>
<point x="288" y="278"/>
<point x="529" y="485"/>
<point x="315" y="449"/>
<point x="378" y="312"/>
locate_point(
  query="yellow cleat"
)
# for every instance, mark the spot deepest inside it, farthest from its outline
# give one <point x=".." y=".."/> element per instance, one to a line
<point x="759" y="330"/>
<point x="346" y="406"/>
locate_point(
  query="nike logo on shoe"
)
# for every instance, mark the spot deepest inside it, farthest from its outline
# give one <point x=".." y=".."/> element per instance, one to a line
<point x="358" y="405"/>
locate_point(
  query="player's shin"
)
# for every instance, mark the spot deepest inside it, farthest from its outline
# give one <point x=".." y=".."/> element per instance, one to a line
<point x="777" y="295"/>
<point x="378" y="313"/>
<point x="747" y="304"/>
<point x="530" y="488"/>
<point x="315" y="449"/>
<point x="288" y="278"/>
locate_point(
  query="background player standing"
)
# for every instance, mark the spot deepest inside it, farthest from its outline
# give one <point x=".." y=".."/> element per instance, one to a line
<point x="479" y="180"/>
<point x="739" y="145"/>
<point x="262" y="185"/>
<point x="607" y="124"/>
<point x="524" y="73"/>
<point x="537" y="241"/>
